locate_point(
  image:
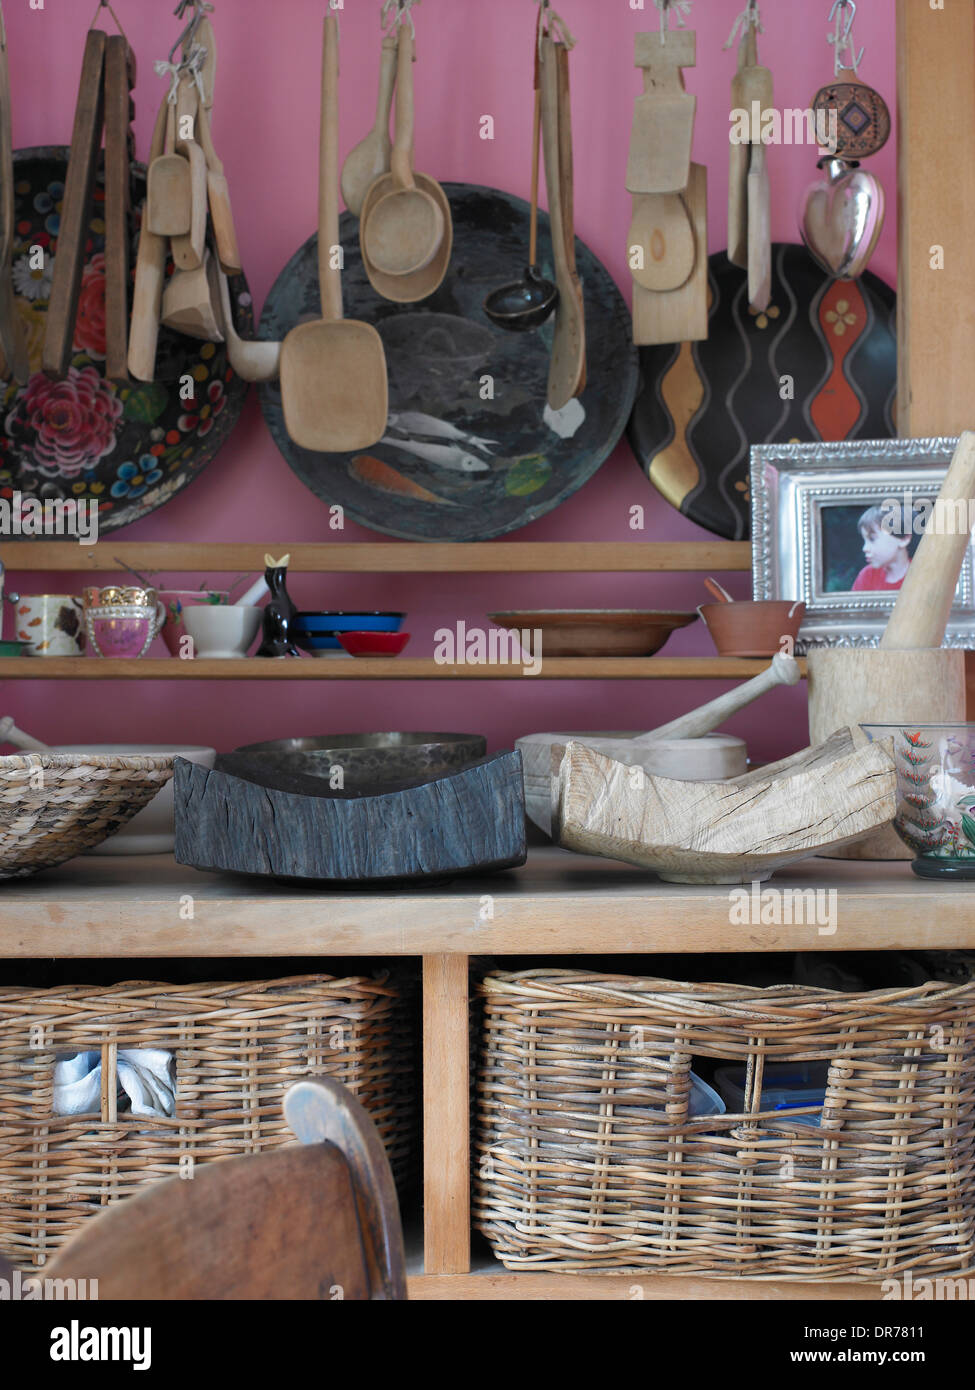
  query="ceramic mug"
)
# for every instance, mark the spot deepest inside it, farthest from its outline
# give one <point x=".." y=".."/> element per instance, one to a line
<point x="122" y="622"/>
<point x="51" y="624"/>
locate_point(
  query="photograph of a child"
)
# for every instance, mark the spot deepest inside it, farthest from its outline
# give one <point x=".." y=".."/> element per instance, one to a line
<point x="865" y="550"/>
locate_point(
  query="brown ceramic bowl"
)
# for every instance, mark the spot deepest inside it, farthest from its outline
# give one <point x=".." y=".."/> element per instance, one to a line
<point x="753" y="628"/>
<point x="595" y="632"/>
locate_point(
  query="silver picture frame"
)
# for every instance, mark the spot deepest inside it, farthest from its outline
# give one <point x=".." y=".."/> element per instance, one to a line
<point x="791" y="487"/>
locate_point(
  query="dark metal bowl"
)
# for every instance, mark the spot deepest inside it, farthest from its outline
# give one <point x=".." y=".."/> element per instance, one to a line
<point x="366" y="760"/>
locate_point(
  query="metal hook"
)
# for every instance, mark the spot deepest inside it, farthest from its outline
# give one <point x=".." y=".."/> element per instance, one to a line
<point x="842" y="38"/>
<point x="200" y="8"/>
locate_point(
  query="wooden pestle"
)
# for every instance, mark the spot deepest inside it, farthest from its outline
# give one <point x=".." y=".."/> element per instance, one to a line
<point x="784" y="670"/>
<point x="920" y="615"/>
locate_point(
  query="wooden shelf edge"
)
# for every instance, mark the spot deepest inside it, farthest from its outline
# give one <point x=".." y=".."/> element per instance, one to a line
<point x="403" y="557"/>
<point x="377" y="668"/>
<point x="503" y="1285"/>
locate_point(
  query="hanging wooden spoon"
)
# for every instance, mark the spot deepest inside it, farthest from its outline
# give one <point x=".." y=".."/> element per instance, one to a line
<point x="371" y="156"/>
<point x="169" y="196"/>
<point x="150" y="270"/>
<point x="188" y="248"/>
<point x="405" y="226"/>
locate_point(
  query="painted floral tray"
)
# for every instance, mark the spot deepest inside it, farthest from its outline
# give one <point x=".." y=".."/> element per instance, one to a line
<point x="471" y="450"/>
<point x="129" y="448"/>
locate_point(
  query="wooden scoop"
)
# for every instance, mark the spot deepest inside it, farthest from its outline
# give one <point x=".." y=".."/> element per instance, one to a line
<point x="188" y="248"/>
<point x="370" y="158"/>
<point x="75" y="209"/>
<point x="739" y="157"/>
<point x="334" y="388"/>
<point x="150" y="270"/>
<point x="12" y="337"/>
<point x="405" y="225"/>
<point x="169" y="197"/>
<point x="186" y="304"/>
<point x="924" y="603"/>
<point x="757" y="87"/>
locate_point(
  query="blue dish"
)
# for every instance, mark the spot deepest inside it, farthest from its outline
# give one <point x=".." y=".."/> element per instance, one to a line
<point x="315" y="632"/>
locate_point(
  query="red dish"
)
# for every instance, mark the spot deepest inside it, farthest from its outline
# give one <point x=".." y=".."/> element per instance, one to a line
<point x="373" y="643"/>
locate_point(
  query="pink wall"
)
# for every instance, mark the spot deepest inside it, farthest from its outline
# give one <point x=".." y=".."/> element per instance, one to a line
<point x="474" y="58"/>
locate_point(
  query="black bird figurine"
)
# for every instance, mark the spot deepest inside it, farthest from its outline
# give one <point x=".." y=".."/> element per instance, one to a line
<point x="279" y="613"/>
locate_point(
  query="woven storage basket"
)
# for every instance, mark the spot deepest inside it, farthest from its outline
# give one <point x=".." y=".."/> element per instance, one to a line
<point x="586" y="1158"/>
<point x="56" y="805"/>
<point x="236" y="1047"/>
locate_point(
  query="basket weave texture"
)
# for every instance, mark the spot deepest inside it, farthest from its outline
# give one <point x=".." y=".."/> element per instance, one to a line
<point x="54" y="806"/>
<point x="587" y="1158"/>
<point x="237" y="1048"/>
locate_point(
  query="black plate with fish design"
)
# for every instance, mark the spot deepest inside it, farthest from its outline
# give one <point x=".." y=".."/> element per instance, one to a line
<point x="471" y="450"/>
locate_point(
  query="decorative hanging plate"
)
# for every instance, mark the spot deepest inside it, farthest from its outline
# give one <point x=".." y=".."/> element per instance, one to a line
<point x="84" y="439"/>
<point x="471" y="449"/>
<point x="819" y="364"/>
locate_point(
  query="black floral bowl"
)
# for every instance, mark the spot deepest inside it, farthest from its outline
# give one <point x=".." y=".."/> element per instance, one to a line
<point x="84" y="440"/>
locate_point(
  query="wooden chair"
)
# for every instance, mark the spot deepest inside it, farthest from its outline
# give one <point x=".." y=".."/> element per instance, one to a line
<point x="315" y="1221"/>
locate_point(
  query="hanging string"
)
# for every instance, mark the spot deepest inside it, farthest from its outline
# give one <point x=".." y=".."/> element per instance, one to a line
<point x="558" y="31"/>
<point x="681" y="8"/>
<point x="748" y="16"/>
<point x="193" y="64"/>
<point x="105" y="5"/>
<point x="397" y="12"/>
<point x="163" y="68"/>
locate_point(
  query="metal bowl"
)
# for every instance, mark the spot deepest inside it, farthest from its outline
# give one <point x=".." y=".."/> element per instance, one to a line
<point x="367" y="760"/>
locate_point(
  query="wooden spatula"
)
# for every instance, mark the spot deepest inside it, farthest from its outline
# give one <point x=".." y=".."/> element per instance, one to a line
<point x="13" y="340"/>
<point x="663" y="117"/>
<point x="567" y="187"/>
<point x="568" y="345"/>
<point x="681" y="315"/>
<point x="75" y="209"/>
<point x="662" y="234"/>
<point x="757" y="88"/>
<point x="150" y="270"/>
<point x="119" y="79"/>
<point x="739" y="158"/>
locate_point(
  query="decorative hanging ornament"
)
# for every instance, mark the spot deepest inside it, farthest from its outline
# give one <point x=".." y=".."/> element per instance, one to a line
<point x="842" y="213"/>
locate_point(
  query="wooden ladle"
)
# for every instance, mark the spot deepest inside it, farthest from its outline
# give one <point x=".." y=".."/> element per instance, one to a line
<point x="334" y="388"/>
<point x="371" y="156"/>
<point x="405" y="224"/>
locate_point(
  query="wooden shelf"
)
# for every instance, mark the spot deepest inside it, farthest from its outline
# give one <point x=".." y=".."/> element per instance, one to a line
<point x="715" y="668"/>
<point x="558" y="903"/>
<point x="403" y="557"/>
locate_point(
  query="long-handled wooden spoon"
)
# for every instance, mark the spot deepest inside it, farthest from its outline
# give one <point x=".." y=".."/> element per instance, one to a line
<point x="12" y="337"/>
<point x="568" y="345"/>
<point x="150" y="270"/>
<point x="370" y="158"/>
<point x="334" y="388"/>
<point x="189" y="247"/>
<point x="405" y="225"/>
<point x="75" y="209"/>
<point x="221" y="213"/>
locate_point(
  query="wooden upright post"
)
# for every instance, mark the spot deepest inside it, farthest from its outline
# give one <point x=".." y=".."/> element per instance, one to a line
<point x="936" y="212"/>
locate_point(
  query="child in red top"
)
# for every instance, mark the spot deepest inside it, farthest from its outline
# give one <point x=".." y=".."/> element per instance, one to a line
<point x="885" y="552"/>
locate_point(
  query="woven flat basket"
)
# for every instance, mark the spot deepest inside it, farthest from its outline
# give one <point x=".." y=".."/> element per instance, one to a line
<point x="587" y="1158"/>
<point x="236" y="1048"/>
<point x="54" y="806"/>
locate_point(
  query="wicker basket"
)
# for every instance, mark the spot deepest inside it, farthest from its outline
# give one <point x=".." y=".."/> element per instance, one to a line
<point x="236" y="1048"/>
<point x="56" y="805"/>
<point x="587" y="1160"/>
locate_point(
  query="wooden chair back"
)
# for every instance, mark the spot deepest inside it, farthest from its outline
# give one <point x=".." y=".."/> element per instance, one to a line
<point x="315" y="1221"/>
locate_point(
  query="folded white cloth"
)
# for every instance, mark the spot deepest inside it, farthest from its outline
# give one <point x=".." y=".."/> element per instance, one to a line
<point x="145" y="1075"/>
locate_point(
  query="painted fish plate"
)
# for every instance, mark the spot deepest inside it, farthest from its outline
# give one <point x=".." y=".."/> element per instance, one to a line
<point x="471" y="449"/>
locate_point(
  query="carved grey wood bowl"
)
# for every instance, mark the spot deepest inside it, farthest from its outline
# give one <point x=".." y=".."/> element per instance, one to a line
<point x="384" y="760"/>
<point x="292" y="826"/>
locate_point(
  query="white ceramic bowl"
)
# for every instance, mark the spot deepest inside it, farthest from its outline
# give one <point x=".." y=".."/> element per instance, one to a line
<point x="222" y="632"/>
<point x="151" y="830"/>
